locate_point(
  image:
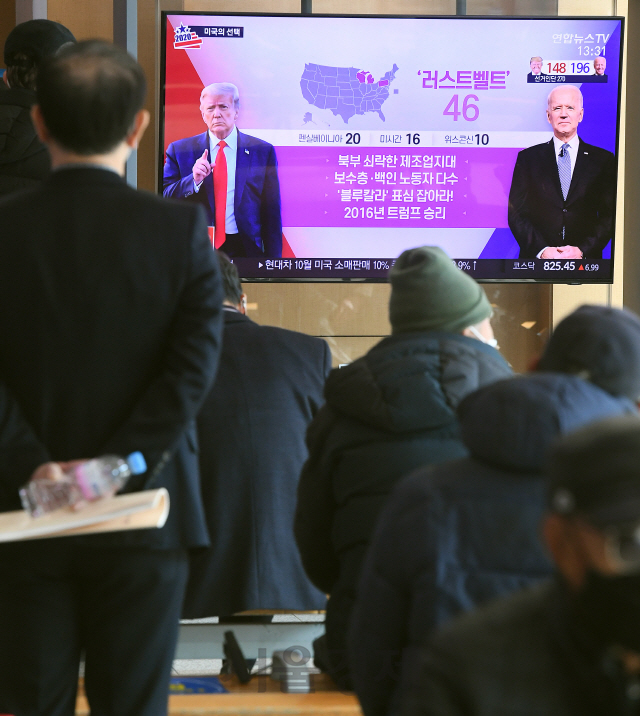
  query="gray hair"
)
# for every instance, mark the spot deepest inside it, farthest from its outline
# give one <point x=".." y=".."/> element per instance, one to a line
<point x="222" y="88"/>
<point x="573" y="87"/>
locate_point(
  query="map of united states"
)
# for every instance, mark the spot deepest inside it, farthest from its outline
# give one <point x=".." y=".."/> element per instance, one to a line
<point x="345" y="90"/>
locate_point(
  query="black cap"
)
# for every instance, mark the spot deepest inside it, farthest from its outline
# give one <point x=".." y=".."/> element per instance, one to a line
<point x="36" y="39"/>
<point x="601" y="345"/>
<point x="595" y="472"/>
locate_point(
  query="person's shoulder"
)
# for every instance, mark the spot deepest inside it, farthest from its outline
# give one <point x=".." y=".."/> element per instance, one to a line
<point x="18" y="97"/>
<point x="17" y="206"/>
<point x="163" y="208"/>
<point x="247" y="140"/>
<point x="504" y="624"/>
<point x="302" y="341"/>
<point x="595" y="151"/>
<point x="188" y="142"/>
<point x="454" y="346"/>
<point x="422" y="484"/>
<point x="535" y="151"/>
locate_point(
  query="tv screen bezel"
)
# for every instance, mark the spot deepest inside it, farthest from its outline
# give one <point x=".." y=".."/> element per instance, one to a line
<point x="462" y="18"/>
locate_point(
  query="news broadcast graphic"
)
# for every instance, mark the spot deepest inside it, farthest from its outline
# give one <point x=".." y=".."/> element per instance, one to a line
<point x="355" y="138"/>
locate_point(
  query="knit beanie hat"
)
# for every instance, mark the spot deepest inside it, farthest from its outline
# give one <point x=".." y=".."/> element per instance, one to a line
<point x="429" y="293"/>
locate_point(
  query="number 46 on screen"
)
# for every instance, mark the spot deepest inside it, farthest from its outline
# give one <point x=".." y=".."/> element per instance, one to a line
<point x="470" y="111"/>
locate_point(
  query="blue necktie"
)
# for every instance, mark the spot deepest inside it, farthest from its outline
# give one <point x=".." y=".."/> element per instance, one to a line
<point x="564" y="169"/>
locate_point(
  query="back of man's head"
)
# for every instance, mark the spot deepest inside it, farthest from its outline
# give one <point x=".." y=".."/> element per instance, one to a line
<point x="230" y="280"/>
<point x="601" y="345"/>
<point x="429" y="293"/>
<point x="89" y="95"/>
<point x="27" y="45"/>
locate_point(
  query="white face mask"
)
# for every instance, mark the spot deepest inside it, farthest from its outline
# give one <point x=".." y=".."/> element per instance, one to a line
<point x="493" y="342"/>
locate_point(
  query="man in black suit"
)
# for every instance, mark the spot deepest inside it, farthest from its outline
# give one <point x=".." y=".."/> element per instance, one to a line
<point x="110" y="323"/>
<point x="232" y="174"/>
<point x="563" y="192"/>
<point x="251" y="431"/>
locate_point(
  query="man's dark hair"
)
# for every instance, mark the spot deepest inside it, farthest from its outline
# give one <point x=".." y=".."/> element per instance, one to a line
<point x="89" y="95"/>
<point x="23" y="73"/>
<point x="28" y="44"/>
<point x="230" y="279"/>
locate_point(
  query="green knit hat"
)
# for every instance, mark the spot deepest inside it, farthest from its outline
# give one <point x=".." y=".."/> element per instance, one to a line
<point x="429" y="293"/>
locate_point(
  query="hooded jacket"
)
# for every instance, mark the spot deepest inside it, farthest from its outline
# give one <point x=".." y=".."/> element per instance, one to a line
<point x="386" y="414"/>
<point x="24" y="160"/>
<point x="455" y="536"/>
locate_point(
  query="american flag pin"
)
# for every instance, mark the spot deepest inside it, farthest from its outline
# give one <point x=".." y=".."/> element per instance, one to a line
<point x="246" y="151"/>
<point x="585" y="152"/>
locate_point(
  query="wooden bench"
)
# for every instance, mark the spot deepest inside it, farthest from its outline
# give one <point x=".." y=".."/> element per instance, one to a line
<point x="260" y="697"/>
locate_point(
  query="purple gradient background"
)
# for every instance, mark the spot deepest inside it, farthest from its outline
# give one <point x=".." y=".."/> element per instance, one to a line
<point x="271" y="99"/>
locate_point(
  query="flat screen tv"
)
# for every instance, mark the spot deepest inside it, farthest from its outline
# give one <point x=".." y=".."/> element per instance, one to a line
<point x="348" y="139"/>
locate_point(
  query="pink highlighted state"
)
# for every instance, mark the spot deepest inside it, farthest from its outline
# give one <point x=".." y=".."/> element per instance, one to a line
<point x="365" y="77"/>
<point x="383" y="83"/>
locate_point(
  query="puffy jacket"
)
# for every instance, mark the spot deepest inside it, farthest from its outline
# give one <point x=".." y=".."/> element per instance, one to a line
<point x="24" y="160"/>
<point x="386" y="414"/>
<point x="455" y="536"/>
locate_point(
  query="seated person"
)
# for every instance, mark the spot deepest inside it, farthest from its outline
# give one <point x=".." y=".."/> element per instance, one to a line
<point x="569" y="646"/>
<point x="456" y="535"/>
<point x="386" y="414"/>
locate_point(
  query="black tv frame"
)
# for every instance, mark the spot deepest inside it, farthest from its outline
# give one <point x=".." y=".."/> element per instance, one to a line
<point x="382" y="277"/>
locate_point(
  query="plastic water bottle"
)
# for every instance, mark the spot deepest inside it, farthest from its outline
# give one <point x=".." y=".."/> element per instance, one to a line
<point x="87" y="481"/>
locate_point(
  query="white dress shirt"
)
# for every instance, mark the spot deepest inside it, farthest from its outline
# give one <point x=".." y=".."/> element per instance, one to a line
<point x="230" y="153"/>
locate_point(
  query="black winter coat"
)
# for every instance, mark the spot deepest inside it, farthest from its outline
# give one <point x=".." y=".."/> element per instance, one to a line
<point x="24" y="160"/>
<point x="251" y="432"/>
<point x="457" y="535"/>
<point x="523" y="655"/>
<point x="386" y="414"/>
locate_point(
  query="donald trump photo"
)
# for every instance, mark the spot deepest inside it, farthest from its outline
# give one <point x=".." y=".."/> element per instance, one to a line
<point x="233" y="175"/>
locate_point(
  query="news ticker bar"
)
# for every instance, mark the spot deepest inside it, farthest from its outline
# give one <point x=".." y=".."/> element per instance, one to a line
<point x="489" y="269"/>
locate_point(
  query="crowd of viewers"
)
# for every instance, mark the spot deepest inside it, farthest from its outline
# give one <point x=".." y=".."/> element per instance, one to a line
<point x="474" y="534"/>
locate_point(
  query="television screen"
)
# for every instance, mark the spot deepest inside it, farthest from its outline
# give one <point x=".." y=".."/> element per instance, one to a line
<point x="323" y="146"/>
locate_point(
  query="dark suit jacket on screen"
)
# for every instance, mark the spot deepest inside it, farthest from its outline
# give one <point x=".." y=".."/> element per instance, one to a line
<point x="252" y="447"/>
<point x="257" y="190"/>
<point x="110" y="323"/>
<point x="537" y="211"/>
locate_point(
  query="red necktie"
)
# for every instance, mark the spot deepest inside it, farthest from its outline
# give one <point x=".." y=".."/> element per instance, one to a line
<point x="220" y="195"/>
